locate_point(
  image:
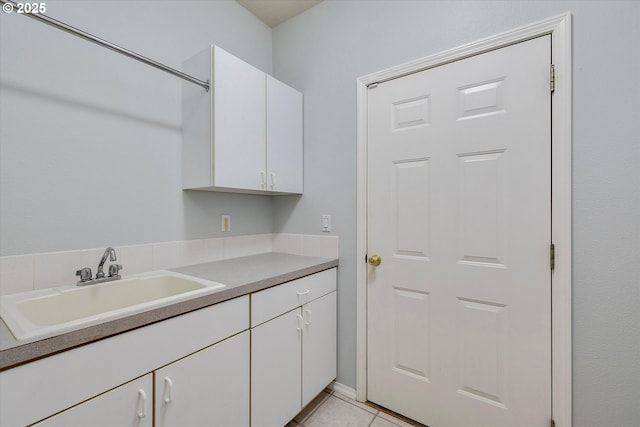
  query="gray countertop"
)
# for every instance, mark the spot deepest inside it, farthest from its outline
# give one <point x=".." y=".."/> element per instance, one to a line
<point x="241" y="276"/>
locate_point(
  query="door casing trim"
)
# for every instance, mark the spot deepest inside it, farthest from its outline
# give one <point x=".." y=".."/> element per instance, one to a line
<point x="560" y="29"/>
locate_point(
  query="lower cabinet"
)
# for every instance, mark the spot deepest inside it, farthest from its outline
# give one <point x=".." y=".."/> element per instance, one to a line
<point x="204" y="353"/>
<point x="293" y="355"/>
<point x="210" y="387"/>
<point x="129" y="405"/>
<point x="269" y="360"/>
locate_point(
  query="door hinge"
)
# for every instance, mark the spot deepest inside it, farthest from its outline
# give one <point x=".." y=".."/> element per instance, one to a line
<point x="552" y="78"/>
<point x="553" y="423"/>
<point x="552" y="256"/>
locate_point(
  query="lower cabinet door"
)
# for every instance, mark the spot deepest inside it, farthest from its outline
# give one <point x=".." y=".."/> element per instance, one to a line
<point x="319" y="347"/>
<point x="129" y="405"/>
<point x="207" y="388"/>
<point x="276" y="370"/>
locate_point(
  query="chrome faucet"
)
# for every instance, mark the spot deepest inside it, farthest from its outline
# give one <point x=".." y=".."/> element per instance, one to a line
<point x="114" y="270"/>
<point x="109" y="252"/>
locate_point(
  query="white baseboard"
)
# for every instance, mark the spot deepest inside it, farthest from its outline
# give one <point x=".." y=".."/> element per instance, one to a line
<point x="343" y="389"/>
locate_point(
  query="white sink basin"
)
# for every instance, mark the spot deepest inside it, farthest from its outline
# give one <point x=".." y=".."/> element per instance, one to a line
<point x="48" y="312"/>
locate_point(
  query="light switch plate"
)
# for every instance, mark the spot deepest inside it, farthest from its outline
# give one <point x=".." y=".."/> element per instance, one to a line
<point x="326" y="223"/>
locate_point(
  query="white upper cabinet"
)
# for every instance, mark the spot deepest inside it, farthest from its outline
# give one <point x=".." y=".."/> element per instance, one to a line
<point x="284" y="137"/>
<point x="245" y="134"/>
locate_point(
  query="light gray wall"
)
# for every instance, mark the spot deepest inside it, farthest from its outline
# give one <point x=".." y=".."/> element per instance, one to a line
<point x="90" y="140"/>
<point x="323" y="51"/>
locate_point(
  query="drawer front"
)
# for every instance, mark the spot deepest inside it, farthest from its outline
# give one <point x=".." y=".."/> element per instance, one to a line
<point x="277" y="300"/>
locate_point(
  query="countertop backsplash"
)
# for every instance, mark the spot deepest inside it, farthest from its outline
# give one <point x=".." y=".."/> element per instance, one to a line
<point x="22" y="273"/>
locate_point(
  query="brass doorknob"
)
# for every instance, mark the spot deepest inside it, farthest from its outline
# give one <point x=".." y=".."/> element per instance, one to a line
<point x="375" y="260"/>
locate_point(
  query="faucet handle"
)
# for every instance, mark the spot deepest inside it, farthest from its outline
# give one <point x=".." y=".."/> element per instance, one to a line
<point x="114" y="270"/>
<point x="85" y="274"/>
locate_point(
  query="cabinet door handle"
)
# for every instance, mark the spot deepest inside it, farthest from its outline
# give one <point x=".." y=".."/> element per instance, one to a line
<point x="273" y="179"/>
<point x="168" y="390"/>
<point x="308" y="317"/>
<point x="263" y="179"/>
<point x="142" y="404"/>
<point x="300" y="322"/>
<point x="302" y="295"/>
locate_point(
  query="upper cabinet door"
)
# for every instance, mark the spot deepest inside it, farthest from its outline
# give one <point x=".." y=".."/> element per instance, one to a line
<point x="239" y="119"/>
<point x="284" y="138"/>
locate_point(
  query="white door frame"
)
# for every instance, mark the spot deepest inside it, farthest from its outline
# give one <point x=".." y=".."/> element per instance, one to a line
<point x="559" y="27"/>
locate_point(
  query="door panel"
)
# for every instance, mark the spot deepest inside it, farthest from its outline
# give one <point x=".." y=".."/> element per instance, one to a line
<point x="411" y="208"/>
<point x="482" y="237"/>
<point x="459" y="176"/>
<point x="411" y="310"/>
<point x="481" y="351"/>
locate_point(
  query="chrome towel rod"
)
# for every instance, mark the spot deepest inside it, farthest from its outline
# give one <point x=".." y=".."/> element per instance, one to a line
<point x="97" y="40"/>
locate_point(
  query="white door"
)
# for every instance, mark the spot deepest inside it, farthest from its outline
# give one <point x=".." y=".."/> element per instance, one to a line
<point x="459" y="176"/>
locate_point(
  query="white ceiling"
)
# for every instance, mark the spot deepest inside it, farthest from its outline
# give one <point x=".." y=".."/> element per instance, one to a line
<point x="275" y="12"/>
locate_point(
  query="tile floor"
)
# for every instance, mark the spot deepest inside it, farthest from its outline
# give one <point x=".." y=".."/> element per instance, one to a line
<point x="332" y="409"/>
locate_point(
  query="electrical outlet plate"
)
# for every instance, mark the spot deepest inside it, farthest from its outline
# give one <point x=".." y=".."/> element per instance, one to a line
<point x="225" y="224"/>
